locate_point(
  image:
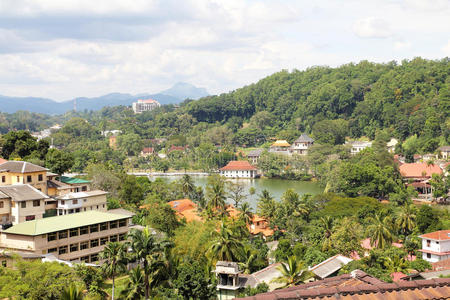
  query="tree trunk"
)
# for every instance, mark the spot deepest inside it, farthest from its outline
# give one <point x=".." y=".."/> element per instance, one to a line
<point x="147" y="285"/>
<point x="112" y="296"/>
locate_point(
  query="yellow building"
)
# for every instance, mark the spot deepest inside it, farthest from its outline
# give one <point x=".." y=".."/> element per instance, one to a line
<point x="21" y="172"/>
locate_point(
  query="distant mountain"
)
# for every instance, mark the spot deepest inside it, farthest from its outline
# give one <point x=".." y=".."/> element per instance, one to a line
<point x="183" y="90"/>
<point x="176" y="94"/>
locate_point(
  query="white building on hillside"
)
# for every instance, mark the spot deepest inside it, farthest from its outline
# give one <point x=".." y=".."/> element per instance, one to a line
<point x="145" y="105"/>
<point x="238" y="169"/>
<point x="358" y="146"/>
<point x="436" y="246"/>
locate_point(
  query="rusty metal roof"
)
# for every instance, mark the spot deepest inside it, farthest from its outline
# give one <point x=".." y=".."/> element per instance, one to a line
<point x="361" y="286"/>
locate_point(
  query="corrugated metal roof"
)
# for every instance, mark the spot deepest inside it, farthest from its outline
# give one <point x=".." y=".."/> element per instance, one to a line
<point x="21" y="167"/>
<point x="57" y="223"/>
<point x="330" y="265"/>
<point x="22" y="192"/>
<point x="73" y="180"/>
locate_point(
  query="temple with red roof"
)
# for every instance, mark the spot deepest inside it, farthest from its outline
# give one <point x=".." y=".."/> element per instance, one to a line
<point x="239" y="169"/>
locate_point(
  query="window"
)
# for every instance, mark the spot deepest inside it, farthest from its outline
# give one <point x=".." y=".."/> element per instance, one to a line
<point x="103" y="226"/>
<point x="103" y="205"/>
<point x="113" y="238"/>
<point x="112" y="224"/>
<point x="73" y="232"/>
<point x="4" y="263"/>
<point x="62" y="250"/>
<point x="103" y="240"/>
<point x="29" y="218"/>
<point x="51" y="237"/>
<point x="40" y="177"/>
<point x="73" y="247"/>
<point x="3" y="178"/>
<point x="85" y="209"/>
<point x="62" y="202"/>
<point x="77" y="210"/>
<point x="94" y="243"/>
<point x="437" y="243"/>
<point x="29" y="179"/>
<point x="62" y="234"/>
<point x="93" y="228"/>
<point x="428" y="255"/>
<point x="23" y="204"/>
<point x="2" y="204"/>
<point x="123" y="223"/>
<point x="75" y="201"/>
<point x="428" y="243"/>
<point x="122" y="236"/>
<point x="85" y="259"/>
<point x="84" y="188"/>
<point x="52" y="250"/>
<point x="18" y="179"/>
<point x="36" y="203"/>
<point x="94" y="257"/>
<point x="84" y="245"/>
<point x="83" y="230"/>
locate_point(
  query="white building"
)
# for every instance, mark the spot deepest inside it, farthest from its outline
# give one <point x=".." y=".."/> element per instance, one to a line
<point x="238" y="169"/>
<point x="301" y="145"/>
<point x="436" y="246"/>
<point x="358" y="146"/>
<point x="391" y="145"/>
<point x="145" y="105"/>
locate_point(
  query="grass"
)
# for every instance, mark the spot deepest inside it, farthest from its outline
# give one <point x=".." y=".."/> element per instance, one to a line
<point x="121" y="282"/>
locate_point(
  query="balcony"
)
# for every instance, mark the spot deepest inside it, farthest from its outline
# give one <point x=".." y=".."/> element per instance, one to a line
<point x="70" y="204"/>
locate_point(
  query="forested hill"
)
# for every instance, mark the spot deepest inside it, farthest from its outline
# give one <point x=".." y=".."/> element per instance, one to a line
<point x="408" y="97"/>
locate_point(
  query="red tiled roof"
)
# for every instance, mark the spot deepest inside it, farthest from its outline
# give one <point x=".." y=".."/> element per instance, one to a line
<point x="2" y="160"/>
<point x="415" y="170"/>
<point x="235" y="165"/>
<point x="147" y="101"/>
<point x="441" y="235"/>
<point x="441" y="265"/>
<point x="356" y="287"/>
<point x="147" y="150"/>
<point x="177" y="148"/>
<point x="182" y="205"/>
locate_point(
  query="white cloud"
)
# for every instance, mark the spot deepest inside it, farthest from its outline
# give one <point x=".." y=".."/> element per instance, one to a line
<point x="446" y="49"/>
<point x="372" y="27"/>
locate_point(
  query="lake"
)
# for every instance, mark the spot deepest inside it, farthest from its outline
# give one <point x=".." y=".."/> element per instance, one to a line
<point x="276" y="187"/>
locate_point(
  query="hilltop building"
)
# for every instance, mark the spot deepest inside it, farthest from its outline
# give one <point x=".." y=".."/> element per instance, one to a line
<point x="238" y="169"/>
<point x="444" y="151"/>
<point x="280" y="147"/>
<point x="418" y="175"/>
<point x="145" y="105"/>
<point x="254" y="155"/>
<point x="358" y="146"/>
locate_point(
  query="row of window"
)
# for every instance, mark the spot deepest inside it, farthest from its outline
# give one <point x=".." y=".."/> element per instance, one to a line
<point x="88" y="258"/>
<point x="85" y="230"/>
<point x="29" y="178"/>
<point x="23" y="204"/>
<point x="87" y="244"/>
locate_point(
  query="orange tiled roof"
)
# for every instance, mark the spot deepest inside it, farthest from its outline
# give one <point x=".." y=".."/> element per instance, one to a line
<point x="235" y="165"/>
<point x="441" y="235"/>
<point x="417" y="169"/>
<point x="441" y="265"/>
<point x="182" y="205"/>
<point x="147" y="150"/>
<point x="2" y="160"/>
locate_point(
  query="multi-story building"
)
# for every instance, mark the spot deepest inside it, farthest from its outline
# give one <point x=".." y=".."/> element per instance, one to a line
<point x="301" y="145"/>
<point x="74" y="237"/>
<point x="436" y="246"/>
<point x="238" y="169"/>
<point x="20" y="203"/>
<point x="21" y="172"/>
<point x="145" y="105"/>
<point x="81" y="201"/>
<point x="280" y="147"/>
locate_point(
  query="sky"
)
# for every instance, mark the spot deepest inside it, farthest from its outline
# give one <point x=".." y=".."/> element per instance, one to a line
<point x="72" y="48"/>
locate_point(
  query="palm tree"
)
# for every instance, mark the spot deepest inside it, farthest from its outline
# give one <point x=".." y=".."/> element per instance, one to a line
<point x="216" y="196"/>
<point x="72" y="293"/>
<point x="397" y="264"/>
<point x="250" y="259"/>
<point x="225" y="245"/>
<point x="380" y="231"/>
<point x="266" y="205"/>
<point x="187" y="185"/>
<point x="406" y="218"/>
<point x="135" y="286"/>
<point x="246" y="213"/>
<point x="327" y="225"/>
<point x="143" y="245"/>
<point x="114" y="256"/>
<point x="293" y="272"/>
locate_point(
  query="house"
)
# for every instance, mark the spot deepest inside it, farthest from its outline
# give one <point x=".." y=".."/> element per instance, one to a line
<point x="429" y="157"/>
<point x="444" y="152"/>
<point x="280" y="147"/>
<point x="81" y="201"/>
<point x="20" y="203"/>
<point x="56" y="187"/>
<point x="417" y="175"/>
<point x="266" y="275"/>
<point x="238" y="169"/>
<point x="391" y="145"/>
<point x="436" y="246"/>
<point x="186" y="209"/>
<point x="330" y="266"/>
<point x="77" y="184"/>
<point x="21" y="172"/>
<point x="301" y="145"/>
<point x="147" y="151"/>
<point x="359" y="285"/>
<point x="145" y="105"/>
<point x="177" y="148"/>
<point x="254" y="155"/>
<point x="358" y="146"/>
<point x="74" y="237"/>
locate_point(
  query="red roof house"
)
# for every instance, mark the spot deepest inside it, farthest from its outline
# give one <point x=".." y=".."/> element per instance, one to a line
<point x="419" y="170"/>
<point x="238" y="165"/>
